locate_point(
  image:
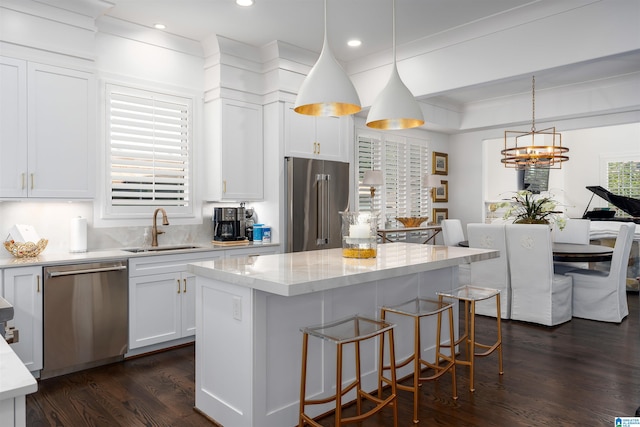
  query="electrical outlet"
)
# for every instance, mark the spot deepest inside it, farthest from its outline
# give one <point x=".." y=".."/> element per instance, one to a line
<point x="237" y="308"/>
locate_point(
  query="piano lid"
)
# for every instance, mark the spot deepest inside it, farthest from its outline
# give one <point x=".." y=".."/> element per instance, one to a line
<point x="626" y="204"/>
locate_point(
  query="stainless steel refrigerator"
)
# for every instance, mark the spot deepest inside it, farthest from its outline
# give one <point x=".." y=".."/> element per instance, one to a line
<point x="317" y="191"/>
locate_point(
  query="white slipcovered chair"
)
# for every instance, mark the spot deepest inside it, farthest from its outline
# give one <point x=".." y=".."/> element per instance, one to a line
<point x="601" y="295"/>
<point x="452" y="234"/>
<point x="537" y="294"/>
<point x="575" y="231"/>
<point x="493" y="273"/>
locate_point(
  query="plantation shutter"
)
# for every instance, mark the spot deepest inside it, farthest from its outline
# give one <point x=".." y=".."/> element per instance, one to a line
<point x="404" y="163"/>
<point x="149" y="149"/>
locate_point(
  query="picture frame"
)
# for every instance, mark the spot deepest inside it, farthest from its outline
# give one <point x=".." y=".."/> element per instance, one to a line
<point x="440" y="163"/>
<point x="439" y="214"/>
<point x="441" y="193"/>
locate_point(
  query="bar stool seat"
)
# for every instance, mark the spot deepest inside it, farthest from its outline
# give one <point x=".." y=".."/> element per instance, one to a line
<point x="351" y="330"/>
<point x="417" y="309"/>
<point x="470" y="295"/>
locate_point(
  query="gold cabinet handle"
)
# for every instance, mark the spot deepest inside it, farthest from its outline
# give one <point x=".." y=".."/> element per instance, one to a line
<point x="178" y="280"/>
<point x="318" y="148"/>
<point x="224" y="186"/>
<point x="38" y="283"/>
<point x="184" y="289"/>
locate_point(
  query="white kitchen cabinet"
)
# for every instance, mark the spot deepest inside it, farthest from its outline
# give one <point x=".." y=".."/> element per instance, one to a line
<point x="162" y="298"/>
<point x="315" y="137"/>
<point x="47" y="131"/>
<point x="23" y="289"/>
<point x="233" y="151"/>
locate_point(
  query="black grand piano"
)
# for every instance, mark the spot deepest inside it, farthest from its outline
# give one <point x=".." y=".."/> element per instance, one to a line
<point x="625" y="204"/>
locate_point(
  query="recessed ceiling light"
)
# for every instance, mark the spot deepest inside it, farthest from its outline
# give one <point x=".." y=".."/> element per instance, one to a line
<point x="159" y="26"/>
<point x="354" y="43"/>
<point x="244" y="2"/>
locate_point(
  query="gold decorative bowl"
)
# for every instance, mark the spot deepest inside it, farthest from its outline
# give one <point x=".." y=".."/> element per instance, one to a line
<point x="26" y="249"/>
<point x="412" y="221"/>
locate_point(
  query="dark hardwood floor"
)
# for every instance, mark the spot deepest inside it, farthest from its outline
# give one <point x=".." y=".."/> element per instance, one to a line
<point x="582" y="373"/>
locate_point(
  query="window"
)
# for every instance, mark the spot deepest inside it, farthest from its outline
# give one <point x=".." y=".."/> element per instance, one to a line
<point x="149" y="140"/>
<point x="623" y="179"/>
<point x="405" y="162"/>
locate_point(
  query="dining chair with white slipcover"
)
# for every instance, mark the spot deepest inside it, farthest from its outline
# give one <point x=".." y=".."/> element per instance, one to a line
<point x="493" y="273"/>
<point x="602" y="295"/>
<point x="452" y="234"/>
<point x="575" y="231"/>
<point x="537" y="294"/>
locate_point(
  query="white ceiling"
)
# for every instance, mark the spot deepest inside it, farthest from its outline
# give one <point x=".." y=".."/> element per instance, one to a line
<point x="300" y="22"/>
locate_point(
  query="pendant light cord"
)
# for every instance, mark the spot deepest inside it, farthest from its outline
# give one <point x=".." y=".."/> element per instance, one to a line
<point x="533" y="104"/>
<point x="393" y="36"/>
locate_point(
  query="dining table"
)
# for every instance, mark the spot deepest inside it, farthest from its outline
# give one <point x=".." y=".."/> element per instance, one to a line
<point x="573" y="252"/>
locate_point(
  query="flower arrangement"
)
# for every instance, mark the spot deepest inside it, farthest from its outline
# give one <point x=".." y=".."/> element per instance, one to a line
<point x="525" y="208"/>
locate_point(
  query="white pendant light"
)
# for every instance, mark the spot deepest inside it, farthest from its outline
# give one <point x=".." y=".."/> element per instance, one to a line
<point x="327" y="90"/>
<point x="395" y="107"/>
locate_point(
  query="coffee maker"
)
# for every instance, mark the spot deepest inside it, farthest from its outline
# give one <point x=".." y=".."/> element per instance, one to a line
<point x="229" y="224"/>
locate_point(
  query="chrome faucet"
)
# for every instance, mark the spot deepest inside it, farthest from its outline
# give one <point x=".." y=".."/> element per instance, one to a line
<point x="154" y="229"/>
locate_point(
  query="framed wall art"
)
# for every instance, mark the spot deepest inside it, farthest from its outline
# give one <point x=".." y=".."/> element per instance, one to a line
<point x="440" y="163"/>
<point x="440" y="214"/>
<point x="441" y="193"/>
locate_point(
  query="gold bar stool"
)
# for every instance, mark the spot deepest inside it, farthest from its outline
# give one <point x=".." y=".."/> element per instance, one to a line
<point x="352" y="330"/>
<point x="417" y="309"/>
<point x="471" y="294"/>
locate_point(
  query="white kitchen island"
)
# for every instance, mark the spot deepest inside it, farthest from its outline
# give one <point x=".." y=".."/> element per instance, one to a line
<point x="249" y="312"/>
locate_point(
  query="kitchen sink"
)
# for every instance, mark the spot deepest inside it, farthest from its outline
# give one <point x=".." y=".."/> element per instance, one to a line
<point x="161" y="248"/>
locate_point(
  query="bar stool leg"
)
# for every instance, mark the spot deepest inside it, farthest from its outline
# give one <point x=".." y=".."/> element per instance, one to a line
<point x="394" y="389"/>
<point x="500" y="371"/>
<point x="303" y="379"/>
<point x="338" y="413"/>
<point x="472" y="346"/>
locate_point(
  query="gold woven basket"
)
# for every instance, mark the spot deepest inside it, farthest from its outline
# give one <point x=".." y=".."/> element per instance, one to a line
<point x="412" y="221"/>
<point x="26" y="249"/>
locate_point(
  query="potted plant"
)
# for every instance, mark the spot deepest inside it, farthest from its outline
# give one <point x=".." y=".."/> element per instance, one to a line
<point x="526" y="208"/>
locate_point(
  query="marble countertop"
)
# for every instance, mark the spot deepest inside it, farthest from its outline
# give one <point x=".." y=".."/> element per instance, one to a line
<point x="306" y="272"/>
<point x="15" y="378"/>
<point x="53" y="258"/>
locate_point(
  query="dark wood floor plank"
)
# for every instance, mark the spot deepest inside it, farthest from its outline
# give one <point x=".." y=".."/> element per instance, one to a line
<point x="579" y="373"/>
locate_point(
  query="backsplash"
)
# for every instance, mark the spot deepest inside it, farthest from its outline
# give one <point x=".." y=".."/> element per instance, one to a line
<point x="52" y="221"/>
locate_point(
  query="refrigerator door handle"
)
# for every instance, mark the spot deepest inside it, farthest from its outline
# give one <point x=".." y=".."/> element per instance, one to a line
<point x="323" y="209"/>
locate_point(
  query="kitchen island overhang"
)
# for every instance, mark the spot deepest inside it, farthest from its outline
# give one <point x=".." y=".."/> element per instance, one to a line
<point x="249" y="312"/>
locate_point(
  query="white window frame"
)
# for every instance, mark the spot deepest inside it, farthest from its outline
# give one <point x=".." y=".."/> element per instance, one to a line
<point x="142" y="210"/>
<point x="404" y="162"/>
<point x="627" y="192"/>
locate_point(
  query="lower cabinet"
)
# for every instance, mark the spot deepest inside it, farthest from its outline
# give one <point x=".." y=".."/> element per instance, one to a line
<point x="162" y="305"/>
<point x="23" y="290"/>
<point x="162" y="296"/>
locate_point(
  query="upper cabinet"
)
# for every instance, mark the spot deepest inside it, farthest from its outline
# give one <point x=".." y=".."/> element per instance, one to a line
<point x="47" y="131"/>
<point x="315" y="137"/>
<point x="233" y="147"/>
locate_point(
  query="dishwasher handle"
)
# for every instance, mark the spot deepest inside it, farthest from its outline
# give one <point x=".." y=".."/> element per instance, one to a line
<point x="87" y="270"/>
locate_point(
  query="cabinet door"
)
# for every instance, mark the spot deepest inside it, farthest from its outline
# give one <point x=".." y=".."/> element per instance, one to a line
<point x="23" y="289"/>
<point x="61" y="132"/>
<point x="13" y="128"/>
<point x="188" y="304"/>
<point x="242" y="151"/>
<point x="315" y="137"/>
<point x="154" y="309"/>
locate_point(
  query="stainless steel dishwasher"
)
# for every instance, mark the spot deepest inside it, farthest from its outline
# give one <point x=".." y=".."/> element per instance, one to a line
<point x="85" y="316"/>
